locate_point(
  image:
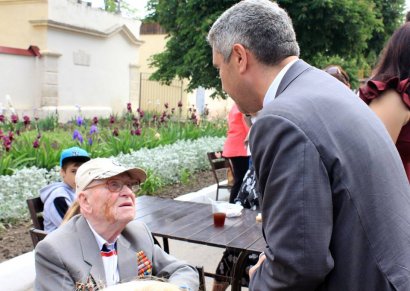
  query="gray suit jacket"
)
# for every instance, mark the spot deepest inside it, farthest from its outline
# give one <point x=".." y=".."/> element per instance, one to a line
<point x="70" y="254"/>
<point x="335" y="198"/>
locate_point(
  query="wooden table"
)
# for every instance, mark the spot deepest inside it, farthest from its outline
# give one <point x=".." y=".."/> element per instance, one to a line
<point x="193" y="222"/>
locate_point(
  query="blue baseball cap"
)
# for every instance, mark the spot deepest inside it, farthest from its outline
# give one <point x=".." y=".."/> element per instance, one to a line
<point x="74" y="153"/>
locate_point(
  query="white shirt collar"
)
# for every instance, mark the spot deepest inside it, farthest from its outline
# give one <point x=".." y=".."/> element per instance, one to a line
<point x="112" y="275"/>
<point x="100" y="240"/>
<point x="273" y="88"/>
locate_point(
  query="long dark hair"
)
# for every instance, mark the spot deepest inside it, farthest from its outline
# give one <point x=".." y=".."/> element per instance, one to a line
<point x="395" y="59"/>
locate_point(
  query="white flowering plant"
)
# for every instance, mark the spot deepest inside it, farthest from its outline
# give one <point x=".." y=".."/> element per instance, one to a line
<point x="23" y="184"/>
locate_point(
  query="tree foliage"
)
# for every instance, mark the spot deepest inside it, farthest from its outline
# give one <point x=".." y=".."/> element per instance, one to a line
<point x="120" y="7"/>
<point x="187" y="54"/>
<point x="390" y="13"/>
<point x="351" y="32"/>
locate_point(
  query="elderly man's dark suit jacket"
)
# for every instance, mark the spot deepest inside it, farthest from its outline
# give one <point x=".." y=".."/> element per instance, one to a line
<point x="336" y="201"/>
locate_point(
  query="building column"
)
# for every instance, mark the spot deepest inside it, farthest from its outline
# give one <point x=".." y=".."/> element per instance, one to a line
<point x="135" y="84"/>
<point x="49" y="79"/>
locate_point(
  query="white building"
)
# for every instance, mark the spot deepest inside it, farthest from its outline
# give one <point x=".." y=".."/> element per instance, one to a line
<point x="87" y="57"/>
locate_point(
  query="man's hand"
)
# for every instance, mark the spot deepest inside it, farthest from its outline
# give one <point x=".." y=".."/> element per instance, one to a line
<point x="252" y="270"/>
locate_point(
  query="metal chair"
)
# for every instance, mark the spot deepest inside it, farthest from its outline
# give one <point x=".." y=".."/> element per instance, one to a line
<point x="200" y="269"/>
<point x="219" y="166"/>
<point x="201" y="273"/>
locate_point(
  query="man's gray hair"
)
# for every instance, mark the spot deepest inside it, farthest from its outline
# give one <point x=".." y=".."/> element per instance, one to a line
<point x="261" y="26"/>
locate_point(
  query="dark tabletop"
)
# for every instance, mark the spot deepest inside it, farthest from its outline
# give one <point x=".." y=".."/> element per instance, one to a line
<point x="193" y="222"/>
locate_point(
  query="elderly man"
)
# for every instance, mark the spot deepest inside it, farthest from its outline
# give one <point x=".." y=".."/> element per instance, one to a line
<point x="104" y="245"/>
<point x="335" y="197"/>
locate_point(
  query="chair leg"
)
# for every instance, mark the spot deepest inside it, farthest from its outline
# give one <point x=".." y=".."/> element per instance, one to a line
<point x="166" y="245"/>
<point x="201" y="273"/>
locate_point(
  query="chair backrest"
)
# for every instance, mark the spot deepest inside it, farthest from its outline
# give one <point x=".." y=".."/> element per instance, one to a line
<point x="218" y="163"/>
<point x="37" y="235"/>
<point x="36" y="207"/>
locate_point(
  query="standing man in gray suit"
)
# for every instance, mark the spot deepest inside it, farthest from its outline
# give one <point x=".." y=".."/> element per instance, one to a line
<point x="335" y="198"/>
<point x="104" y="245"/>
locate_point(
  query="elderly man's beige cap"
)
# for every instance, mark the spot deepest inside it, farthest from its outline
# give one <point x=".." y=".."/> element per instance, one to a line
<point x="103" y="168"/>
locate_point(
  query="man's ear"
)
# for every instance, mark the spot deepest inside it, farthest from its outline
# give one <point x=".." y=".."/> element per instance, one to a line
<point x="62" y="173"/>
<point x="84" y="202"/>
<point x="240" y="57"/>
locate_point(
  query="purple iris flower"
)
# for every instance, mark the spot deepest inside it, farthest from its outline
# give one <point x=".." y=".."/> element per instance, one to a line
<point x="80" y="138"/>
<point x="93" y="129"/>
<point x="77" y="136"/>
<point x="90" y="141"/>
<point x="80" y="121"/>
<point x="76" y="133"/>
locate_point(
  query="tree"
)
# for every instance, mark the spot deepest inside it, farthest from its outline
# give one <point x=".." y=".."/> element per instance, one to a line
<point x="120" y="7"/>
<point x="339" y="27"/>
<point x="345" y="30"/>
<point x="187" y="54"/>
<point x="390" y="12"/>
<point x="112" y="6"/>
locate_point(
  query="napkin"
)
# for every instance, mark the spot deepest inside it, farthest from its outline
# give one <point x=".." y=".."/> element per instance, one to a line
<point x="233" y="210"/>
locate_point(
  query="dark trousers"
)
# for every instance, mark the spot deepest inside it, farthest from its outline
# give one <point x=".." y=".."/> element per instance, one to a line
<point x="239" y="166"/>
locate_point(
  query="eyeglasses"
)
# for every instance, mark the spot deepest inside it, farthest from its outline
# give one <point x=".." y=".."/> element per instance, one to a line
<point x="116" y="186"/>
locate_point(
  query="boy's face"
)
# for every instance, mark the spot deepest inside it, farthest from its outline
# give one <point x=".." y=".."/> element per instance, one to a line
<point x="68" y="175"/>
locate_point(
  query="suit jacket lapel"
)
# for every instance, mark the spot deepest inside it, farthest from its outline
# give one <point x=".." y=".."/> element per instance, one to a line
<point x="294" y="71"/>
<point x="127" y="260"/>
<point x="127" y="257"/>
<point x="90" y="251"/>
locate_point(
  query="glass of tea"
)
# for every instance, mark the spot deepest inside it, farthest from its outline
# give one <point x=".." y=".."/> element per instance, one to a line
<point x="219" y="213"/>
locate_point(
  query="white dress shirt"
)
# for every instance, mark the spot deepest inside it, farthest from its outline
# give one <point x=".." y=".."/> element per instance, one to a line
<point x="112" y="276"/>
<point x="273" y="88"/>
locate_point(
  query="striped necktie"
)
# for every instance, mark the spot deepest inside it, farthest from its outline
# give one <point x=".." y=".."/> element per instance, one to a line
<point x="109" y="250"/>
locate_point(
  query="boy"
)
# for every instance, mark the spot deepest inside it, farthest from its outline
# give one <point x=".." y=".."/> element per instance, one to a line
<point x="58" y="196"/>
